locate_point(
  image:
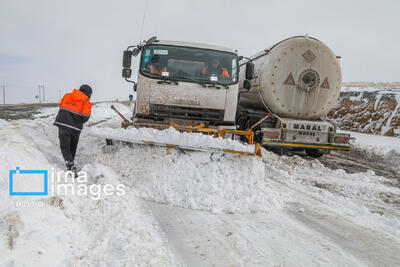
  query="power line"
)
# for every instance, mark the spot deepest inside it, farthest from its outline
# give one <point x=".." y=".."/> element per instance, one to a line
<point x="41" y="97"/>
<point x="20" y="86"/>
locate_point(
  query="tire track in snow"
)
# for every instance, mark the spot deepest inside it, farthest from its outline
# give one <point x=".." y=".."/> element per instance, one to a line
<point x="369" y="246"/>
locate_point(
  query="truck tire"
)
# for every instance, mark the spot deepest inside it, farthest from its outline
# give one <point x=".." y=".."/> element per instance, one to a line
<point x="241" y="119"/>
<point x="244" y="122"/>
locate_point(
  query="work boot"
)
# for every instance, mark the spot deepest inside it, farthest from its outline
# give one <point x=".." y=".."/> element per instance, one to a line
<point x="75" y="171"/>
<point x="71" y="167"/>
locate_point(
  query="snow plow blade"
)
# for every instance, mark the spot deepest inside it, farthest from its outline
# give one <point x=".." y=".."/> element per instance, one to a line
<point x="215" y="132"/>
<point x="188" y="148"/>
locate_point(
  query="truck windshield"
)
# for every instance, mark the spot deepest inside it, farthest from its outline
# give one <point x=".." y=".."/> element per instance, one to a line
<point x="189" y="64"/>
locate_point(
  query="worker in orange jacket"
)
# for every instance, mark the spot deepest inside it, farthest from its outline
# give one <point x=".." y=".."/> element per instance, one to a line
<point x="215" y="68"/>
<point x="153" y="70"/>
<point x="75" y="110"/>
<point x="156" y="65"/>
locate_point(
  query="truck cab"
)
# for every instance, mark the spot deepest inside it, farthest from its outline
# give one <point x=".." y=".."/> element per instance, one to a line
<point x="185" y="83"/>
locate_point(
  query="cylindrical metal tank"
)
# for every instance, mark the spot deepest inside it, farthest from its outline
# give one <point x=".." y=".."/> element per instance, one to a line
<point x="299" y="77"/>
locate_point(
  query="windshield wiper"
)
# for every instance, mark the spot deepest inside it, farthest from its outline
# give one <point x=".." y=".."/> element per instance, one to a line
<point x="213" y="85"/>
<point x="204" y="84"/>
<point x="167" y="81"/>
<point x="192" y="80"/>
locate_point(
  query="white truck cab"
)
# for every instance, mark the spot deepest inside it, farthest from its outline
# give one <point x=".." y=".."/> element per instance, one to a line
<point x="186" y="83"/>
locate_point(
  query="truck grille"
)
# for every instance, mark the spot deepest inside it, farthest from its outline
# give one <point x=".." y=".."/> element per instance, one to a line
<point x="204" y="114"/>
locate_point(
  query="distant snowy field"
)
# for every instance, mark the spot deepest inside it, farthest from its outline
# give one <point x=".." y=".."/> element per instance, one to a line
<point x="194" y="209"/>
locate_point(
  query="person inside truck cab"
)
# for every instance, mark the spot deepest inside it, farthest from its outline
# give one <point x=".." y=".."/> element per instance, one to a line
<point x="157" y="65"/>
<point x="214" y="68"/>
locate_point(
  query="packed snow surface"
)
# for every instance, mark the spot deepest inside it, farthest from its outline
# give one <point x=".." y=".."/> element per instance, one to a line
<point x="382" y="145"/>
<point x="192" y="208"/>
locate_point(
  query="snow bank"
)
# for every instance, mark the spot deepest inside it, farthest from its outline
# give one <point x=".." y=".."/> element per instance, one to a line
<point x="170" y="136"/>
<point x="197" y="180"/>
<point x="69" y="230"/>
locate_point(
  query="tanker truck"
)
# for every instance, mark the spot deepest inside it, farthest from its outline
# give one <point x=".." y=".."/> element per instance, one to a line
<point x="285" y="90"/>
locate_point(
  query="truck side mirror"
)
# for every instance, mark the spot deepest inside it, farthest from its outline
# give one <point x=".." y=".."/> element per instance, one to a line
<point x="249" y="71"/>
<point x="240" y="58"/>
<point x="127" y="59"/>
<point x="126" y="73"/>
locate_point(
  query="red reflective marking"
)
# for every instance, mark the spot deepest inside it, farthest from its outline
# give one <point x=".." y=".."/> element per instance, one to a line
<point x="289" y="80"/>
<point x="325" y="83"/>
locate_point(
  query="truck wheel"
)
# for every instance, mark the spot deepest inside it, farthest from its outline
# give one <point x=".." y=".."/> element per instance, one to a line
<point x="314" y="153"/>
<point x="109" y="142"/>
<point x="247" y="124"/>
<point x="241" y="119"/>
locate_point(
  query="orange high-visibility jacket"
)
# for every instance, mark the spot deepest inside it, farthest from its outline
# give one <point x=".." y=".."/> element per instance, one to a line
<point x="154" y="70"/>
<point x="224" y="71"/>
<point x="75" y="110"/>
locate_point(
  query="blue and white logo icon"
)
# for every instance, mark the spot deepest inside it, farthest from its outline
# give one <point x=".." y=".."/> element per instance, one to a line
<point x="28" y="182"/>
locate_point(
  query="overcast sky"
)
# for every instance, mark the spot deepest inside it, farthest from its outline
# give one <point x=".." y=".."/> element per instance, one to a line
<point x="63" y="44"/>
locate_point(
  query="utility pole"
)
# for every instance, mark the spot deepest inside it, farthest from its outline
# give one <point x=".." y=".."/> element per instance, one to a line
<point x="4" y="93"/>
<point x="40" y="95"/>
<point x="44" y="98"/>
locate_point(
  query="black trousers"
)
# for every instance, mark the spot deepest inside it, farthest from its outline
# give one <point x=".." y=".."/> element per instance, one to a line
<point x="68" y="143"/>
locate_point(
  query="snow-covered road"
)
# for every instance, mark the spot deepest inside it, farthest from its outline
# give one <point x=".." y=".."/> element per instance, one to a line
<point x="199" y="209"/>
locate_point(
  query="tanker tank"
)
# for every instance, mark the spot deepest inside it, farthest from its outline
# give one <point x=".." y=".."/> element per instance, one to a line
<point x="299" y="78"/>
